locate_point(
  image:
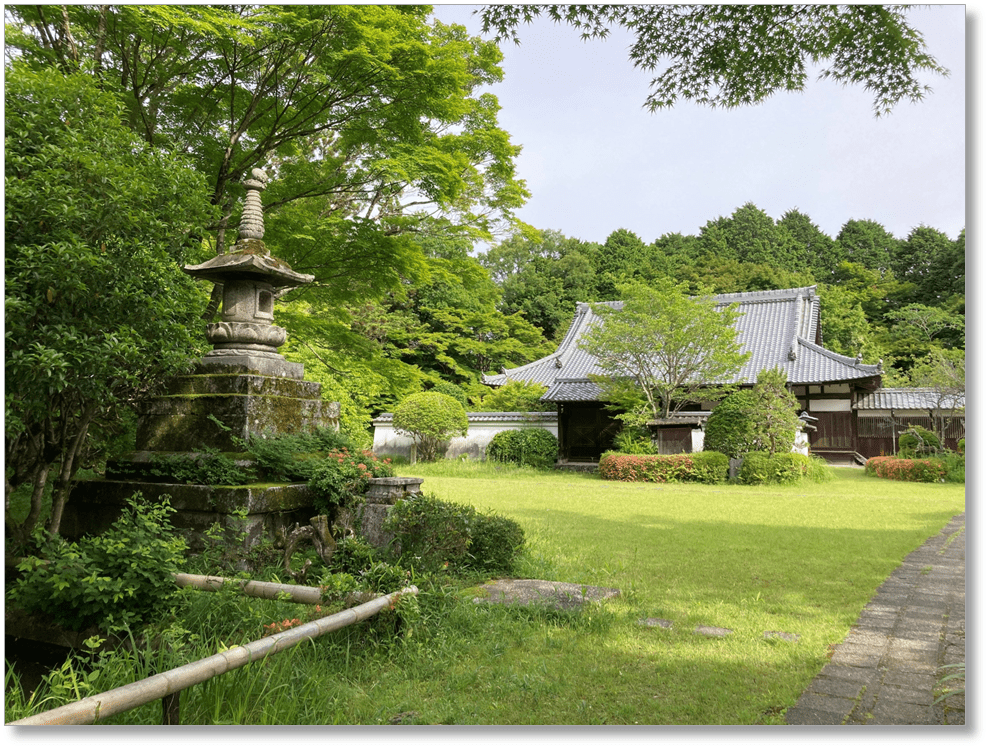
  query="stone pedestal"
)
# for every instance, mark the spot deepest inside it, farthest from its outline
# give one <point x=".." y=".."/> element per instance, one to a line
<point x="94" y="506"/>
<point x="381" y="495"/>
<point x="185" y="418"/>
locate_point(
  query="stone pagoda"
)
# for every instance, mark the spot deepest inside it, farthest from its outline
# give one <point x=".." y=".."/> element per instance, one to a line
<point x="241" y="389"/>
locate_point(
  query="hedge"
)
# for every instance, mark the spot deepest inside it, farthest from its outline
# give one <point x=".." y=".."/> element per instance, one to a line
<point x="905" y="469"/>
<point x="705" y="467"/>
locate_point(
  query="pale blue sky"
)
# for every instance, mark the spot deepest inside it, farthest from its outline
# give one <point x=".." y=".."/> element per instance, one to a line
<point x="595" y="160"/>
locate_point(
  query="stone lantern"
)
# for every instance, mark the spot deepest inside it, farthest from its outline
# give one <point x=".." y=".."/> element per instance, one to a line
<point x="246" y="336"/>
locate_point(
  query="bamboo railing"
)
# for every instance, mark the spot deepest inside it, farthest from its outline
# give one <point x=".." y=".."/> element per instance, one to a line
<point x="167" y="685"/>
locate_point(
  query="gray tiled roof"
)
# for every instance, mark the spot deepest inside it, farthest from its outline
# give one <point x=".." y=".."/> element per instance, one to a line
<point x="780" y="329"/>
<point x="904" y="399"/>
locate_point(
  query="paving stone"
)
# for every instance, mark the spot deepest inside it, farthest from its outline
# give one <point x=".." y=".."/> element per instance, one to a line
<point x="837" y="706"/>
<point x="838" y="688"/>
<point x="902" y="714"/>
<point x="652" y="622"/>
<point x="707" y="631"/>
<point x="905" y="694"/>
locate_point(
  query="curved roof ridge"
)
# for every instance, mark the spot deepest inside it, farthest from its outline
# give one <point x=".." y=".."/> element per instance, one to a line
<point x="840" y="358"/>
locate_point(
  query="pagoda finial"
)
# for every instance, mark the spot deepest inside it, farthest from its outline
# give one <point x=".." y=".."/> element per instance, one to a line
<point x="252" y="219"/>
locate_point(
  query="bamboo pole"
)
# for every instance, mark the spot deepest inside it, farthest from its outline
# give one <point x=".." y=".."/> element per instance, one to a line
<point x="255" y="588"/>
<point x="121" y="699"/>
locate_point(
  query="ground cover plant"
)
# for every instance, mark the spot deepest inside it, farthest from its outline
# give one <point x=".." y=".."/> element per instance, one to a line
<point x="802" y="559"/>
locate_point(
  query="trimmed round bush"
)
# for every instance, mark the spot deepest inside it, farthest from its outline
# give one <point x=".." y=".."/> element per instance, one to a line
<point x="529" y="446"/>
<point x="781" y="468"/>
<point x="430" y="418"/>
<point x="729" y="428"/>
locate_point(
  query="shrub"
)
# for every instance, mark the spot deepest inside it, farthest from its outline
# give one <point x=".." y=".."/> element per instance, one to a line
<point x="655" y="468"/>
<point x="121" y="577"/>
<point x="495" y="542"/>
<point x="929" y="470"/>
<point x="918" y="441"/>
<point x="729" y="429"/>
<point x="342" y="476"/>
<point x="529" y="446"/>
<point x="435" y="536"/>
<point x="430" y="418"/>
<point x="635" y="440"/>
<point x="290" y="457"/>
<point x="709" y="467"/>
<point x="782" y="468"/>
<point x="961" y="445"/>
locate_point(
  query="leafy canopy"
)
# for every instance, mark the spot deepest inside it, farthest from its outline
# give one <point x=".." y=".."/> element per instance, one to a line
<point x="731" y="55"/>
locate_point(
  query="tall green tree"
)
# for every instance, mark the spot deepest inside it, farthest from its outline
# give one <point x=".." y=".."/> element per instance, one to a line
<point x="814" y="250"/>
<point x="732" y="55"/>
<point x="96" y="309"/>
<point x="666" y="347"/>
<point x="867" y="243"/>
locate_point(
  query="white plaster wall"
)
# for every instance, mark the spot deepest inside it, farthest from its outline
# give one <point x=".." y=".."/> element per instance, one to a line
<point x="387" y="441"/>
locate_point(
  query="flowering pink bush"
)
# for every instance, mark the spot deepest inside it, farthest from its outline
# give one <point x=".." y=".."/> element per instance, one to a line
<point x="655" y="468"/>
<point x="905" y="469"/>
<point x="343" y="474"/>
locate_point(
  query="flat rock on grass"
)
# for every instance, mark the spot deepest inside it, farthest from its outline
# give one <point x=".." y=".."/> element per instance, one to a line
<point x="545" y="592"/>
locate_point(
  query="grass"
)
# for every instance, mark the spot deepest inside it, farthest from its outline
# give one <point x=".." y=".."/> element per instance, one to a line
<point x="802" y="559"/>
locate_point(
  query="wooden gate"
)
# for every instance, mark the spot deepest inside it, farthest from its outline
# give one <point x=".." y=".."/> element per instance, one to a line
<point x="586" y="431"/>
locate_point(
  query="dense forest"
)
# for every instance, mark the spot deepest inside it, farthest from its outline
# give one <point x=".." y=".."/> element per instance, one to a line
<point x="134" y="126"/>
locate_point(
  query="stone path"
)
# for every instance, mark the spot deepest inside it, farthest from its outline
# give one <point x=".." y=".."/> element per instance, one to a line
<point x="887" y="669"/>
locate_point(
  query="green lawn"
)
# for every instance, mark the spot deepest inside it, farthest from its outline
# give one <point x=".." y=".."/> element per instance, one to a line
<point x="802" y="560"/>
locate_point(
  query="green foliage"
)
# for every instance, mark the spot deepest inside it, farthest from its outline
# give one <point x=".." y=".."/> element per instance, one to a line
<point x="729" y="429"/>
<point x="97" y="310"/>
<point x="709" y="467"/>
<point x="207" y="467"/>
<point x="917" y="441"/>
<point x="725" y="55"/>
<point x="650" y="344"/>
<point x="119" y="578"/>
<point x="780" y="468"/>
<point x="635" y="440"/>
<point x="343" y="476"/>
<point x="292" y="457"/>
<point x="454" y="391"/>
<point x="529" y="446"/>
<point x="516" y="396"/>
<point x="435" y="536"/>
<point x="430" y="418"/>
<point x="495" y="543"/>
<point x="773" y="413"/>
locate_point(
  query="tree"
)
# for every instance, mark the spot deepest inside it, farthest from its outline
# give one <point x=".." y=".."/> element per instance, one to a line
<point x="515" y="395"/>
<point x="773" y="413"/>
<point x="730" y="55"/>
<point x="97" y="311"/>
<point x="931" y="261"/>
<point x="867" y="243"/>
<point x="368" y="119"/>
<point x="729" y="429"/>
<point x="815" y="250"/>
<point x="430" y="418"/>
<point x="942" y="373"/>
<point x="666" y="347"/>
